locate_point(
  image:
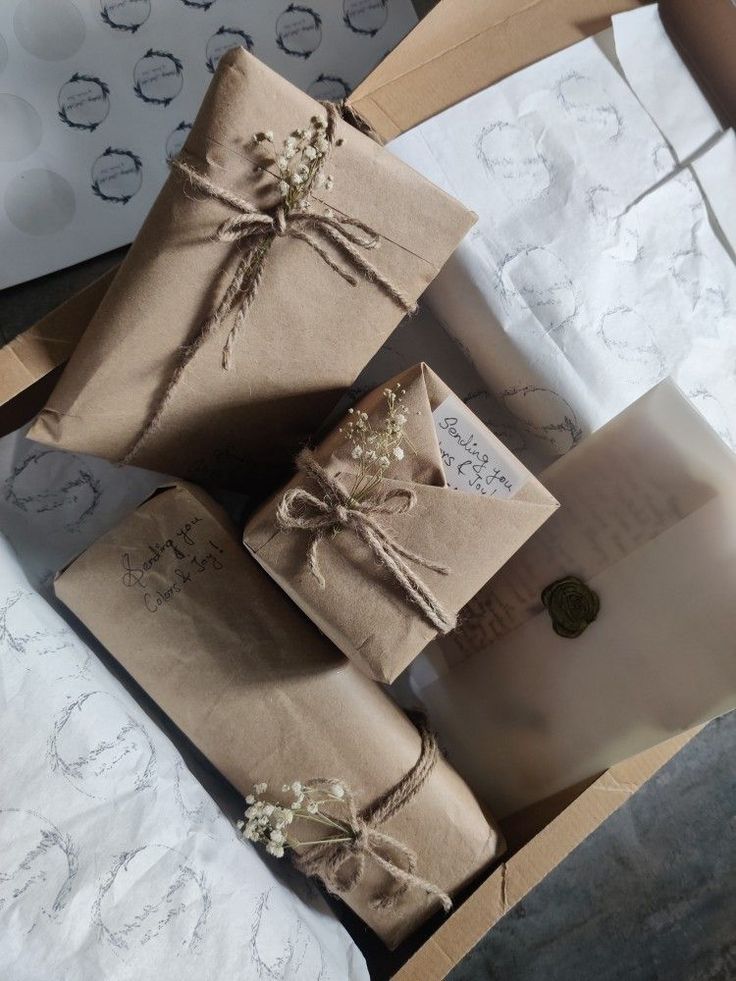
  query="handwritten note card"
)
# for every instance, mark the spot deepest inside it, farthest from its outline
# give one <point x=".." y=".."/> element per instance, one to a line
<point x="474" y="461"/>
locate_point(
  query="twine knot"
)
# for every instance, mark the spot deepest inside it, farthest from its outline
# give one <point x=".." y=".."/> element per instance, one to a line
<point x="342" y="514"/>
<point x="335" y="510"/>
<point x="341" y="864"/>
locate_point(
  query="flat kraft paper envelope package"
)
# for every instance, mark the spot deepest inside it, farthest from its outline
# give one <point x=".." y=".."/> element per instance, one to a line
<point x="458" y="49"/>
<point x="475" y="504"/>
<point x="249" y="394"/>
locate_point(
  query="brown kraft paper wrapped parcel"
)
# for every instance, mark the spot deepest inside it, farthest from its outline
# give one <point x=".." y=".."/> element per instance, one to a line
<point x="295" y="325"/>
<point x="377" y="615"/>
<point x="176" y="599"/>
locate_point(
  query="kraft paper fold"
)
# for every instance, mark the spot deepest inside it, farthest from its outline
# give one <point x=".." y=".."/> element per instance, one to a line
<point x="307" y="333"/>
<point x="179" y="603"/>
<point x="361" y="608"/>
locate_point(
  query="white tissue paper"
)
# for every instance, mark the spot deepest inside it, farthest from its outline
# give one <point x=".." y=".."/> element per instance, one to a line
<point x="594" y="270"/>
<point x="662" y="82"/>
<point x="711" y="167"/>
<point x="114" y="862"/>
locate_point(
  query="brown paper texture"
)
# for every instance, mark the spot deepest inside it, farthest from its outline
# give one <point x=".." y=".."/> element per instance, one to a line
<point x="307" y="333"/>
<point x="362" y="608"/>
<point x="179" y="603"/>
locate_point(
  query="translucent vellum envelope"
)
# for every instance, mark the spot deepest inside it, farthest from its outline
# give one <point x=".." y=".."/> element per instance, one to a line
<point x="648" y="520"/>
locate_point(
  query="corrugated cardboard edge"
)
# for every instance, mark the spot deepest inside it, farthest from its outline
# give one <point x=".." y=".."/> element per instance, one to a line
<point x="463" y="46"/>
<point x="513" y="879"/>
<point x="48" y="343"/>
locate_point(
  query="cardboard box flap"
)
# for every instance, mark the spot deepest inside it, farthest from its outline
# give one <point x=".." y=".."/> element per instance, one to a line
<point x="463" y="46"/>
<point x="514" y="878"/>
<point x="50" y="341"/>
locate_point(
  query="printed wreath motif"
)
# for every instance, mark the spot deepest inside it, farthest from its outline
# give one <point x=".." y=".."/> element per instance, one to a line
<point x="112" y="151"/>
<point x="153" y="53"/>
<point x="369" y="31"/>
<point x="247" y="44"/>
<point x="132" y="28"/>
<point x="94" y="80"/>
<point x="330" y="79"/>
<point x="317" y="21"/>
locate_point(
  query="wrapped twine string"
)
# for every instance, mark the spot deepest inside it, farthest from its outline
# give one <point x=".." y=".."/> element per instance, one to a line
<point x="341" y="865"/>
<point x="256" y="231"/>
<point x="322" y="516"/>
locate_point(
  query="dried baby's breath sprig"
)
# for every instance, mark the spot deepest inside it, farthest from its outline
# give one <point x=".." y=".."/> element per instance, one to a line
<point x="300" y="161"/>
<point x="375" y="449"/>
<point x="268" y="822"/>
<point x="346" y="838"/>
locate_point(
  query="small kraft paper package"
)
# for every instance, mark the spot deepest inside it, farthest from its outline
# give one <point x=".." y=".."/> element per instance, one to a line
<point x="396" y="520"/>
<point x="183" y="608"/>
<point x="283" y="250"/>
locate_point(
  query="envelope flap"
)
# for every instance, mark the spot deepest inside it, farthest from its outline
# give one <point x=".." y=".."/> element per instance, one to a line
<point x="480" y="523"/>
<point x="530" y="490"/>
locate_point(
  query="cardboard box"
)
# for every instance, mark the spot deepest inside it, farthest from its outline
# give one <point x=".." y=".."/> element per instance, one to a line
<point x="461" y="47"/>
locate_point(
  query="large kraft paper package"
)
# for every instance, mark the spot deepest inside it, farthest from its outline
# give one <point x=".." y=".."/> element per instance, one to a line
<point x="359" y="604"/>
<point x="186" y="611"/>
<point x="307" y="332"/>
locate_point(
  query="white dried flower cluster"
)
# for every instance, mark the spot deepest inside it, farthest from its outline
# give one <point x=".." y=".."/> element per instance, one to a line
<point x="300" y="161"/>
<point x="269" y="822"/>
<point x="376" y="448"/>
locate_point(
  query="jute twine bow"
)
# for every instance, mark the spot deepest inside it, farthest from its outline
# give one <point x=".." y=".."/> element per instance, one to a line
<point x="341" y="865"/>
<point x="256" y="231"/>
<point x="335" y="510"/>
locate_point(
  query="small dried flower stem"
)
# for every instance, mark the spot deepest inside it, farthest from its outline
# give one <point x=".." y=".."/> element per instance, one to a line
<point x="324" y="841"/>
<point x="268" y="822"/>
<point x="299" y="161"/>
<point x="374" y="449"/>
